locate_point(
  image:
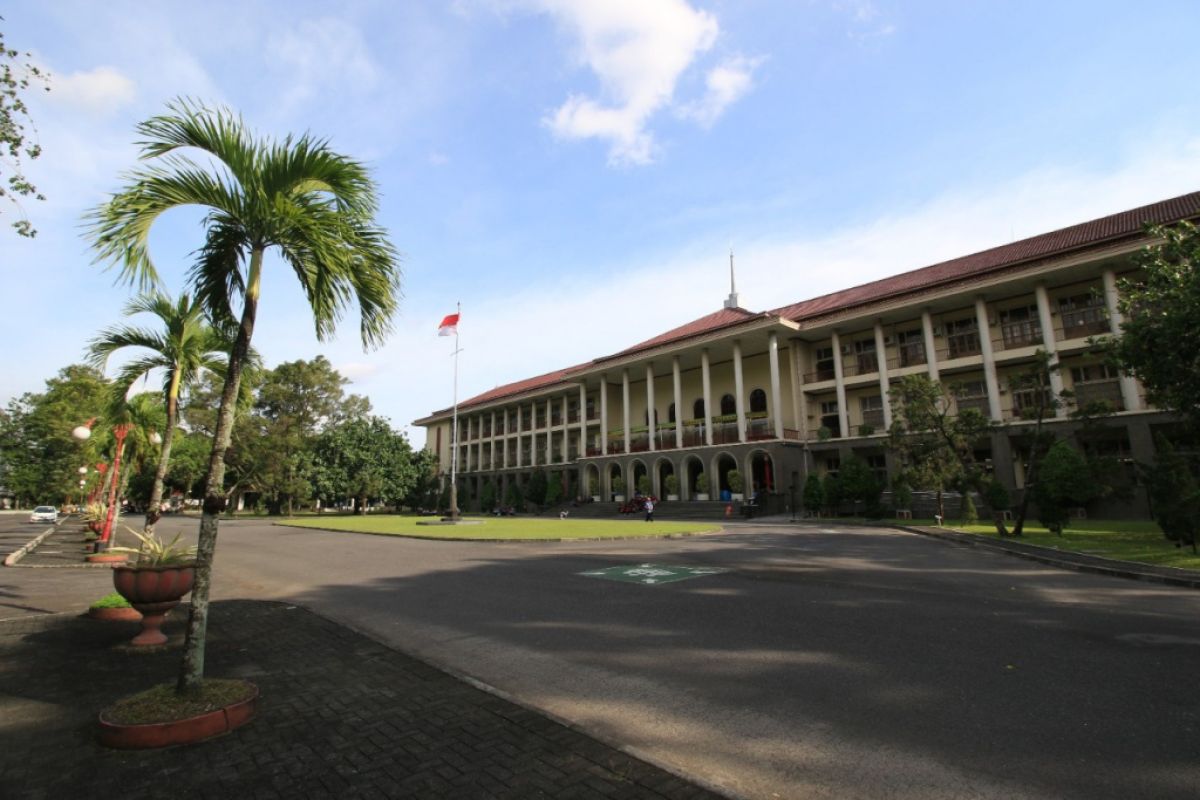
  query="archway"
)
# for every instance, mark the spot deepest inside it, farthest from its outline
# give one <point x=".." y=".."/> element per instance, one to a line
<point x="760" y="469"/>
<point x="614" y="475"/>
<point x="638" y="477"/>
<point x="693" y="468"/>
<point x="722" y="465"/>
<point x="663" y="469"/>
<point x="591" y="481"/>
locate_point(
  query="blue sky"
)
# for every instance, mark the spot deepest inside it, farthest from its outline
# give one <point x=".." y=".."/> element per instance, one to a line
<point x="574" y="173"/>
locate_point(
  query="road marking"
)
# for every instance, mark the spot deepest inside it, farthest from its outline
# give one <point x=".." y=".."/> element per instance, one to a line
<point x="651" y="574"/>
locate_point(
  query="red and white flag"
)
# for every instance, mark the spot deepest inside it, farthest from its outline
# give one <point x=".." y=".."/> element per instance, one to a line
<point x="449" y="325"/>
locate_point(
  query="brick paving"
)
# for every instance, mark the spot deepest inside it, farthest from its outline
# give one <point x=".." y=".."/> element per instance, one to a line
<point x="340" y="716"/>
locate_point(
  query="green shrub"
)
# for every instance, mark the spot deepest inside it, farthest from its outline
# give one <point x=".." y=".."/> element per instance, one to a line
<point x="113" y="600"/>
<point x="736" y="484"/>
<point x="643" y="484"/>
<point x="814" y="494"/>
<point x="672" y="483"/>
<point x="702" y="483"/>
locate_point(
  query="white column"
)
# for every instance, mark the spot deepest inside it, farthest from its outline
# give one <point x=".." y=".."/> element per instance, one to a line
<point x="507" y="437"/>
<point x="565" y="428"/>
<point x="798" y="363"/>
<point x="604" y="415"/>
<point x="625" y="405"/>
<point x="495" y="436"/>
<point x="839" y="382"/>
<point x="1129" y="385"/>
<point x="884" y="386"/>
<point x="739" y="390"/>
<point x="989" y="358"/>
<point x="651" y="428"/>
<point x="706" y="379"/>
<point x="519" y="442"/>
<point x="549" y="434"/>
<point x="677" y="382"/>
<point x="582" y="424"/>
<point x="776" y="394"/>
<point x="931" y="361"/>
<point x="1056" y="381"/>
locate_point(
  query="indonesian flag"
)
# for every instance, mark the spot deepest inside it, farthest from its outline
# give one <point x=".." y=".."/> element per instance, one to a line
<point x="449" y="325"/>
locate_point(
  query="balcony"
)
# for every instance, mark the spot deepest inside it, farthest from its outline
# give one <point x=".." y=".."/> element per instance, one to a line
<point x="1082" y="322"/>
<point x="556" y="419"/>
<point x="639" y="442"/>
<point x="759" y="428"/>
<point x="1099" y="393"/>
<point x="573" y="416"/>
<point x="1021" y="334"/>
<point x="911" y="355"/>
<point x="862" y="364"/>
<point x="979" y="403"/>
<point x="693" y="434"/>
<point x="822" y="373"/>
<point x="961" y="345"/>
<point x="872" y="418"/>
<point x="725" y="432"/>
<point x="592" y="451"/>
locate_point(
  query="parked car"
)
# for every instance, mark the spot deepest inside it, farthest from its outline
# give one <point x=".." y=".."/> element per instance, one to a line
<point x="44" y="514"/>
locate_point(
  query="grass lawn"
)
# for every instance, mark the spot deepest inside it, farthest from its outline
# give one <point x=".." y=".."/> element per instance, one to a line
<point x="1125" y="540"/>
<point x="503" y="528"/>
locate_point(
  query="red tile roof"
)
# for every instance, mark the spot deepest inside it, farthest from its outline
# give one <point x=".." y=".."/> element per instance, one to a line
<point x="725" y="318"/>
<point x="1126" y="224"/>
<point x="1106" y="230"/>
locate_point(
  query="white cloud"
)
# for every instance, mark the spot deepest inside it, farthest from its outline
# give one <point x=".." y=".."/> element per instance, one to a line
<point x="323" y="54"/>
<point x="102" y="90"/>
<point x="725" y="85"/>
<point x="638" y="49"/>
<point x="866" y="18"/>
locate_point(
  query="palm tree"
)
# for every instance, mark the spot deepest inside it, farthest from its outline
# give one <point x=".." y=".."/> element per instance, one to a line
<point x="185" y="346"/>
<point x="314" y="208"/>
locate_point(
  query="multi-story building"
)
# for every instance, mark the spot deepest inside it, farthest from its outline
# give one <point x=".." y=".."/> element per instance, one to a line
<point x="782" y="393"/>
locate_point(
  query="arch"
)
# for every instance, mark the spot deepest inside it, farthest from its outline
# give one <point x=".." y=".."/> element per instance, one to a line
<point x="760" y="473"/>
<point x="722" y="463"/>
<point x="728" y="404"/>
<point x="698" y="409"/>
<point x="637" y="471"/>
<point x="758" y="401"/>
<point x="591" y="480"/>
<point x="611" y="473"/>
<point x="671" y="413"/>
<point x="663" y="468"/>
<point x="690" y="470"/>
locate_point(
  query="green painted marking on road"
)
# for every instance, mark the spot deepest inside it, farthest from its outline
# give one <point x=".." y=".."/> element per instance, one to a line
<point x="651" y="574"/>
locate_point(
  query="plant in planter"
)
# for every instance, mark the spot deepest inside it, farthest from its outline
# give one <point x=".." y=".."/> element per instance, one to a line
<point x="702" y="486"/>
<point x="736" y="484"/>
<point x="672" y="482"/>
<point x="593" y="489"/>
<point x="824" y="433"/>
<point x="618" y="488"/>
<point x="113" y="607"/>
<point x="643" y="484"/>
<point x="155" y="583"/>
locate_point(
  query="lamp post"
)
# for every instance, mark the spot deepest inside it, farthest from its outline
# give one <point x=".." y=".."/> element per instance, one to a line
<point x="84" y="432"/>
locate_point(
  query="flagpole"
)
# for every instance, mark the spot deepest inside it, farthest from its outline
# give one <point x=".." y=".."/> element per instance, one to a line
<point x="454" y="431"/>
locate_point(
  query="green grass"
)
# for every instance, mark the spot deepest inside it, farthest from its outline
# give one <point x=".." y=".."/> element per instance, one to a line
<point x="503" y="528"/>
<point x="1125" y="540"/>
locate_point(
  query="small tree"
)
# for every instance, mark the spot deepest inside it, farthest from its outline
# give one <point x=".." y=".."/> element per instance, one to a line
<point x="672" y="483"/>
<point x="858" y="483"/>
<point x="736" y="484"/>
<point x="1174" y="495"/>
<point x="487" y="496"/>
<point x="1065" y="483"/>
<point x="618" y="485"/>
<point x="831" y="487"/>
<point x="535" y="489"/>
<point x="996" y="496"/>
<point x="513" y="498"/>
<point x="702" y="483"/>
<point x="814" y="494"/>
<point x="902" y="495"/>
<point x="593" y="489"/>
<point x="643" y="484"/>
<point x="554" y="491"/>
<point x="970" y="515"/>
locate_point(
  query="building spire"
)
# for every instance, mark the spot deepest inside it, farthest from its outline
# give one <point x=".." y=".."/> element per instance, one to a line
<point x="732" y="300"/>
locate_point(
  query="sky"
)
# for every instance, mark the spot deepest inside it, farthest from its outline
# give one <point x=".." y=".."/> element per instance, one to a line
<point x="576" y="172"/>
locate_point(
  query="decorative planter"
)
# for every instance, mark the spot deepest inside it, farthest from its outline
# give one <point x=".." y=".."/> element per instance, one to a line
<point x="183" y="731"/>
<point x="672" y="497"/>
<point x="618" y="498"/>
<point x="737" y="496"/>
<point x="702" y="496"/>
<point x="124" y="614"/>
<point x="106" y="558"/>
<point x="154" y="591"/>
<point x="595" y="498"/>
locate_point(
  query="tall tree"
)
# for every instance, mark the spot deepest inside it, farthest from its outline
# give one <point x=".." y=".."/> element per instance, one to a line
<point x="296" y="197"/>
<point x="17" y="75"/>
<point x="365" y="459"/>
<point x="936" y="444"/>
<point x="182" y="347"/>
<point x="1160" y="333"/>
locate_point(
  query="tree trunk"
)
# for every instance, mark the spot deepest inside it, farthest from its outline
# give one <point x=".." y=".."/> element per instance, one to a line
<point x="191" y="671"/>
<point x="154" y="510"/>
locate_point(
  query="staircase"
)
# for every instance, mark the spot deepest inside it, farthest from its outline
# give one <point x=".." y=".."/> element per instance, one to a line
<point x="708" y="511"/>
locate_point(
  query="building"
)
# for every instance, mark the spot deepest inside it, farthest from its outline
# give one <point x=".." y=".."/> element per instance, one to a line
<point x="784" y="393"/>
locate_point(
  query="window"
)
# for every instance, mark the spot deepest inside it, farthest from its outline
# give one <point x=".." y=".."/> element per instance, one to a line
<point x="824" y="364"/>
<point x="758" y="402"/>
<point x="864" y="356"/>
<point x="1083" y="315"/>
<point x="962" y="336"/>
<point x="671" y="413"/>
<point x="1093" y="373"/>
<point x="872" y="410"/>
<point x="728" y="405"/>
<point x="1020" y="326"/>
<point x="971" y="394"/>
<point x="698" y="409"/>
<point x="912" y="348"/>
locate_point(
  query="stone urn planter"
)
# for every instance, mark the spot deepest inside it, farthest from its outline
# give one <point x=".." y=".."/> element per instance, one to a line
<point x="154" y="591"/>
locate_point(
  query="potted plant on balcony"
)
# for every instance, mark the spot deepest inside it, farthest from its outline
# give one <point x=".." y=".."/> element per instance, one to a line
<point x="155" y="582"/>
<point x="702" y="486"/>
<point x="736" y="485"/>
<point x="618" y="488"/>
<point x="672" y="482"/>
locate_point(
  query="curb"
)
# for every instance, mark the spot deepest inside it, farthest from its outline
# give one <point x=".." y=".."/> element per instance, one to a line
<point x="12" y="558"/>
<point x="1097" y="565"/>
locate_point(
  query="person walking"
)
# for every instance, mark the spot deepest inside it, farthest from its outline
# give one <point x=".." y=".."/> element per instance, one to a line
<point x="649" y="506"/>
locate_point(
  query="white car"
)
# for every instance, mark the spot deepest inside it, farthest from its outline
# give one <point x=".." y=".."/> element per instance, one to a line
<point x="44" y="514"/>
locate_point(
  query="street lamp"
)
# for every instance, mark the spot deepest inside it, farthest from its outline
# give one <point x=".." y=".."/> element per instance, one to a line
<point x="84" y="432"/>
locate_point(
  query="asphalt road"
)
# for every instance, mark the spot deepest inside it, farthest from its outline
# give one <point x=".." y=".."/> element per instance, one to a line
<point x="824" y="663"/>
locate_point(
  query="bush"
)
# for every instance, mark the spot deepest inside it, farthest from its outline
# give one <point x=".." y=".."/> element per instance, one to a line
<point x="832" y="488"/>
<point x="736" y="484"/>
<point x="514" y="498"/>
<point x="487" y="496"/>
<point x="970" y="515"/>
<point x="996" y="495"/>
<point x="902" y="495"/>
<point x="554" y="491"/>
<point x="1064" y="481"/>
<point x="672" y="482"/>
<point x="814" y="494"/>
<point x="535" y="489"/>
<point x="702" y="483"/>
<point x="1174" y="495"/>
<point x="618" y="485"/>
<point x="643" y="484"/>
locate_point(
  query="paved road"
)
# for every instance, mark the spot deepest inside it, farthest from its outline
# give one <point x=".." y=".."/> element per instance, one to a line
<point x="847" y="663"/>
